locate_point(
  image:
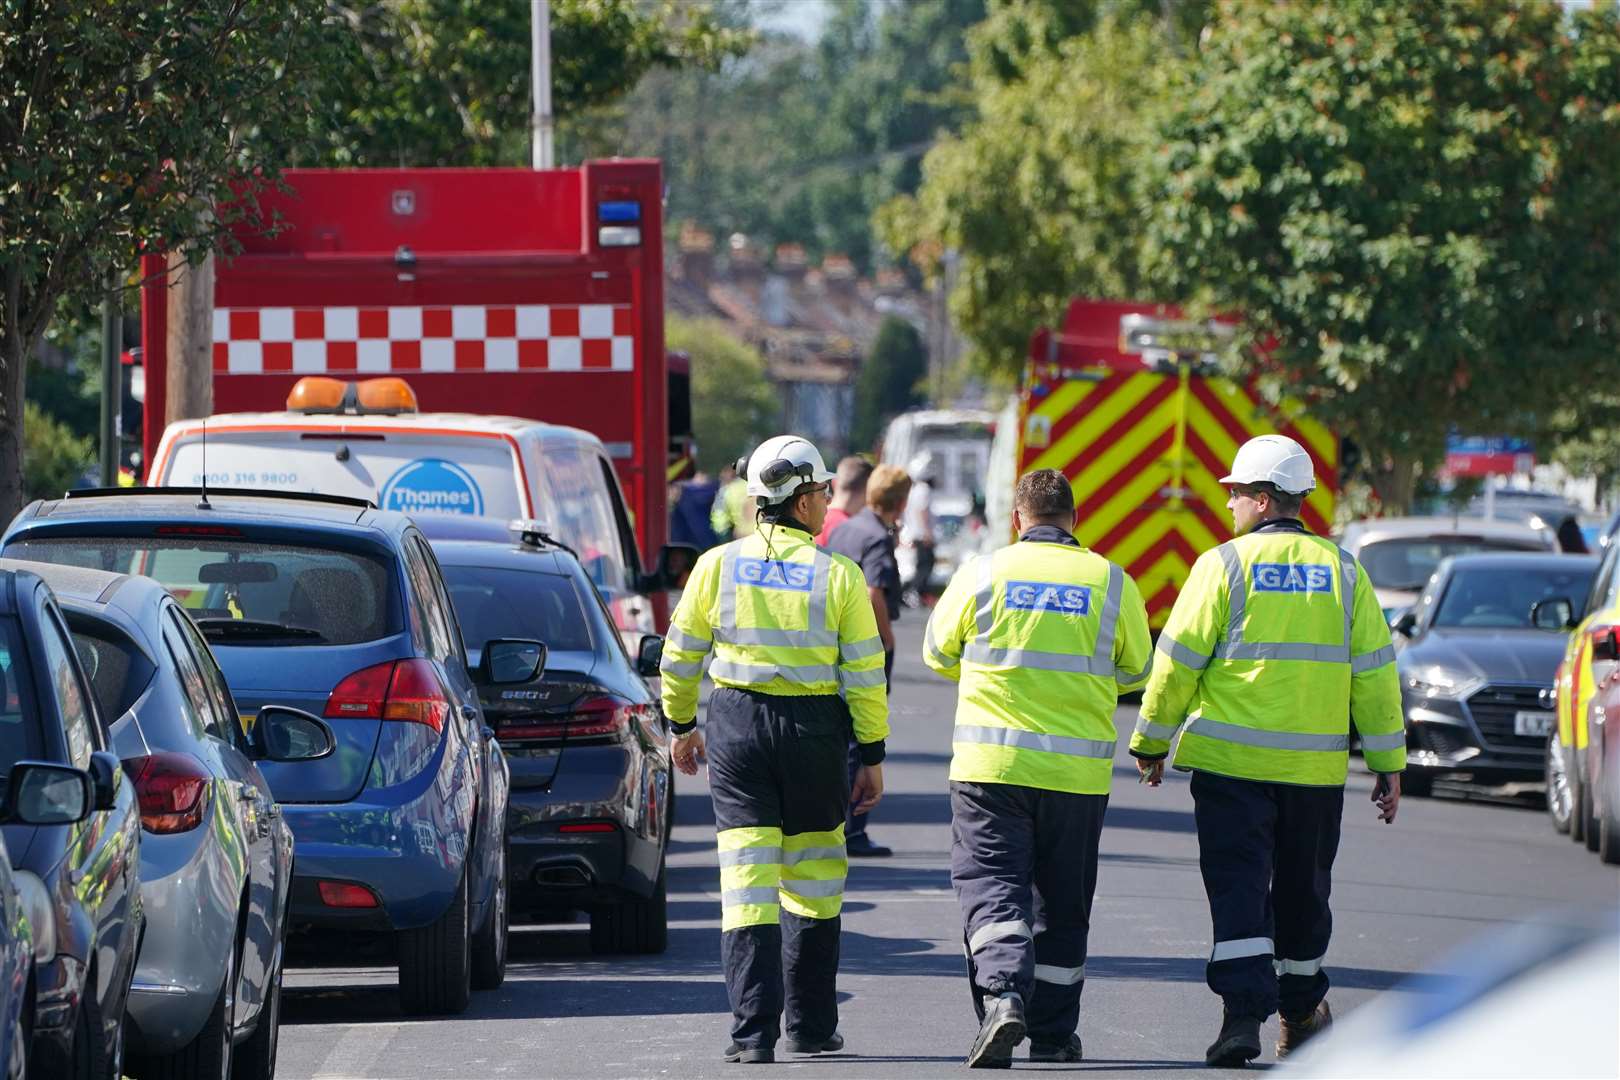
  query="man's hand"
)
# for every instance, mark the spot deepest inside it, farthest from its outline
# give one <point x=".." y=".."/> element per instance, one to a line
<point x="687" y="751"/>
<point x="868" y="789"/>
<point x="1387" y="794"/>
<point x="1150" y="773"/>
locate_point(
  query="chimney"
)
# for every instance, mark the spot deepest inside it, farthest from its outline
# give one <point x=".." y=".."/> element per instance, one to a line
<point x="839" y="273"/>
<point x="744" y="258"/>
<point x="694" y="261"/>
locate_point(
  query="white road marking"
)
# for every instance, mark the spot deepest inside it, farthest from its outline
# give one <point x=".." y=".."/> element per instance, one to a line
<point x="357" y="1052"/>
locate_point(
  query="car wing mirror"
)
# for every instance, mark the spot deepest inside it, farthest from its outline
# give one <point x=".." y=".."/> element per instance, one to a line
<point x="511" y="661"/>
<point x="649" y="654"/>
<point x="281" y="734"/>
<point x="43" y="793"/>
<point x="1553" y="613"/>
<point x="1405" y="623"/>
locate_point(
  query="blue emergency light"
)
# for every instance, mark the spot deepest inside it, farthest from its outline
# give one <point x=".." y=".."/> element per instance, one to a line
<point x="618" y="213"/>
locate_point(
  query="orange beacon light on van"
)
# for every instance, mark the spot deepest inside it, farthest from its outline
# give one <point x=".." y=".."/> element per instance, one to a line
<point x="318" y="394"/>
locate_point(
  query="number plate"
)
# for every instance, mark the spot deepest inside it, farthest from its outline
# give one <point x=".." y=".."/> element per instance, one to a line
<point x="1532" y="722"/>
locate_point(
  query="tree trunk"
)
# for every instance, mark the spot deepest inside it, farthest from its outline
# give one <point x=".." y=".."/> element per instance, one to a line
<point x="190" y="343"/>
<point x="1393" y="481"/>
<point x="13" y="366"/>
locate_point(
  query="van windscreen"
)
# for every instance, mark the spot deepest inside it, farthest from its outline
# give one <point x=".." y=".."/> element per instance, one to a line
<point x="416" y="474"/>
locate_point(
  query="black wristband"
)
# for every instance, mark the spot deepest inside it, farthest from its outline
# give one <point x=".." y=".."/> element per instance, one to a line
<point x="683" y="729"/>
<point x="872" y="753"/>
<point x="1140" y="756"/>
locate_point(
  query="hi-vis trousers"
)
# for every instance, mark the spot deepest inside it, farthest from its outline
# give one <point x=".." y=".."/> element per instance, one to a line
<point x="1267" y="851"/>
<point x="1024" y="864"/>
<point x="777" y="773"/>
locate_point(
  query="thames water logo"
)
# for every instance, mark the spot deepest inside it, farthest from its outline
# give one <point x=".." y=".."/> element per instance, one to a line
<point x="1048" y="596"/>
<point x="433" y="486"/>
<point x="771" y="574"/>
<point x="1290" y="578"/>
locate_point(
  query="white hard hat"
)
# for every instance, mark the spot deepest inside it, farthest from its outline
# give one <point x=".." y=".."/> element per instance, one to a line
<point x="780" y="464"/>
<point x="1273" y="459"/>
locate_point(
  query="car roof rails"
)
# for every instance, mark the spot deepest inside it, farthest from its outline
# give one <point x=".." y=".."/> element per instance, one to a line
<point x="251" y="493"/>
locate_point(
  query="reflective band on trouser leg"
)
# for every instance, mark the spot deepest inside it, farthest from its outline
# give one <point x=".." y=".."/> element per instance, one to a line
<point x="1298" y="967"/>
<point x="1237" y="950"/>
<point x="1275" y="740"/>
<point x="1060" y="976"/>
<point x="814" y="865"/>
<point x="996" y="931"/>
<point x="1033" y="740"/>
<point x="750" y="873"/>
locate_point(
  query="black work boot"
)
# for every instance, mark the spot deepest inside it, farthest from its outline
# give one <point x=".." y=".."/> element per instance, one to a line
<point x="1003" y="1029"/>
<point x="1238" y="1043"/>
<point x="1066" y="1051"/>
<point x="830" y="1045"/>
<point x="1296" y="1033"/>
<point x="750" y="1055"/>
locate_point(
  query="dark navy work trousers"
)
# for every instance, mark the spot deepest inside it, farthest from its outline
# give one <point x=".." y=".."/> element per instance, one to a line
<point x="1266" y="852"/>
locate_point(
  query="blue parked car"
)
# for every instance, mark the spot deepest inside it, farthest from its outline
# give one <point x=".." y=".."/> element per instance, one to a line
<point x="73" y="828"/>
<point x="330" y="606"/>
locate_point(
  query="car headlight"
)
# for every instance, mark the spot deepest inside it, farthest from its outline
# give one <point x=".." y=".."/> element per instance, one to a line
<point x="36" y="904"/>
<point x="1440" y="683"/>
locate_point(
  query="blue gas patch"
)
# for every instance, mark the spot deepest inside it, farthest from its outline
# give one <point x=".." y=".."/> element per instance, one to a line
<point x="433" y="486"/>
<point x="772" y="574"/>
<point x="1292" y="578"/>
<point x="1049" y="596"/>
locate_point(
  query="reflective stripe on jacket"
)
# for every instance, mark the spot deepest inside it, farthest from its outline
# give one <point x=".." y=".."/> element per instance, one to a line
<point x="781" y="616"/>
<point x="1275" y="646"/>
<point x="1042" y="637"/>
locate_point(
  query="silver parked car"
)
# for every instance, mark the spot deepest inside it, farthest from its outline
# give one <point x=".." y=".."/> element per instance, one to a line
<point x="1401" y="553"/>
<point x="216" y="857"/>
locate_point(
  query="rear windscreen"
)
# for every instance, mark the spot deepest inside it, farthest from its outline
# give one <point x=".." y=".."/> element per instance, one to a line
<point x="246" y="593"/>
<point x="414" y="474"/>
<point x="495" y="603"/>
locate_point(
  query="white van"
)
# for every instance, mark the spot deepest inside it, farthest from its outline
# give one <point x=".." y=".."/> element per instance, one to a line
<point x="501" y="467"/>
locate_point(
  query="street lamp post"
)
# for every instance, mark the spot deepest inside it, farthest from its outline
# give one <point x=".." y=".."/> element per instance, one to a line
<point x="112" y="398"/>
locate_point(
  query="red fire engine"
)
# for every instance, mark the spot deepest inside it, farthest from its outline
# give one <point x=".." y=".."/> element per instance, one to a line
<point x="537" y="294"/>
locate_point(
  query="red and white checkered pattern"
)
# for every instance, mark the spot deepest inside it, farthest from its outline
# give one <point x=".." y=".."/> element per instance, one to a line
<point x="338" y="340"/>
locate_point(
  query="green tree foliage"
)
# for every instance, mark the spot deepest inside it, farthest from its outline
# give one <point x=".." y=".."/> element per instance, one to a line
<point x="130" y="125"/>
<point x="446" y="82"/>
<point x="1043" y="196"/>
<point x="888" y="381"/>
<point x="734" y="406"/>
<point x="1415" y="205"/>
<point x="54" y="458"/>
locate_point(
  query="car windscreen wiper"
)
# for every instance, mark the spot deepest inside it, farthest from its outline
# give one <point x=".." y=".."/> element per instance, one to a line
<point x="225" y="627"/>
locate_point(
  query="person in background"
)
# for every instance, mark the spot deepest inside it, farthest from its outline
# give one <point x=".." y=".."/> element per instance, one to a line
<point x="849" y="495"/>
<point x="917" y="530"/>
<point x="692" y="503"/>
<point x="867" y="539"/>
<point x="732" y="516"/>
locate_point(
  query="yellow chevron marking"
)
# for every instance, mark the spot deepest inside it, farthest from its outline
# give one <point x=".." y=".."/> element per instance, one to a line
<point x="1101" y="420"/>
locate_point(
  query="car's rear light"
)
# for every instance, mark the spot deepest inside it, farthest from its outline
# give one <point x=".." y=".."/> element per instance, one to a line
<point x="172" y="790"/>
<point x="590" y="717"/>
<point x="405" y="690"/>
<point x="415" y="695"/>
<point x="588" y="827"/>
<point x="346" y="894"/>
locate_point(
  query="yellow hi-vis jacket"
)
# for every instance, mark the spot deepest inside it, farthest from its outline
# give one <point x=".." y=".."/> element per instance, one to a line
<point x="1041" y="636"/>
<point x="1275" y="646"/>
<point x="781" y="616"/>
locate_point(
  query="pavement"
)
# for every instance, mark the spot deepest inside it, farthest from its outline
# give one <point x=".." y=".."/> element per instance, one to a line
<point x="1411" y="898"/>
